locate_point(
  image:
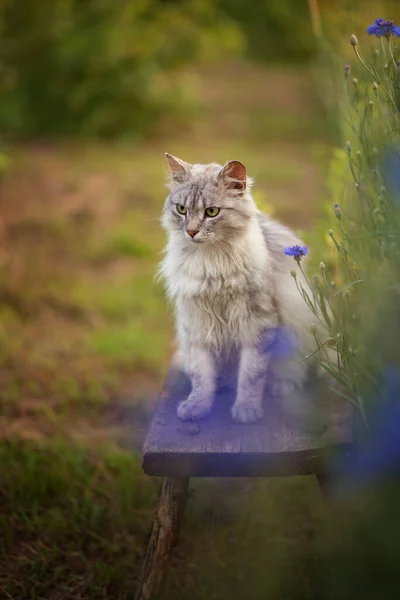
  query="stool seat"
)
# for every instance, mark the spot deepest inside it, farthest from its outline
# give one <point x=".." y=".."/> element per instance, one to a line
<point x="217" y="446"/>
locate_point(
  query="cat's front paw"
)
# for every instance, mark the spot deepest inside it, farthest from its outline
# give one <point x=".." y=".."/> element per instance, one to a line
<point x="195" y="407"/>
<point x="246" y="413"/>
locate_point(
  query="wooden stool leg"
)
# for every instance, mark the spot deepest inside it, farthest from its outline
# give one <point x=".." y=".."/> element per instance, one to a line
<point x="324" y="482"/>
<point x="163" y="537"/>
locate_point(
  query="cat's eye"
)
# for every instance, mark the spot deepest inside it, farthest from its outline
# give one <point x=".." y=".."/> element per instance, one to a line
<point x="182" y="210"/>
<point x="212" y="211"/>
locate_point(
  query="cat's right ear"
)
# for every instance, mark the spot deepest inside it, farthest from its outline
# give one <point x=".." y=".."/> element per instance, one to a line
<point x="179" y="168"/>
<point x="234" y="175"/>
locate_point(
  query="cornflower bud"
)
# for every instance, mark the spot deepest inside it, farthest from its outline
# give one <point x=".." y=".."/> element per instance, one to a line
<point x="353" y="40"/>
<point x="338" y="211"/>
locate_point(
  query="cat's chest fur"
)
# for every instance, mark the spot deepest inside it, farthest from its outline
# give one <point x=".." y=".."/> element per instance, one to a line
<point x="221" y="295"/>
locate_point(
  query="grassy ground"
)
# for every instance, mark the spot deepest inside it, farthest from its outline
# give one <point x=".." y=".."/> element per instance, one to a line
<point x="85" y="337"/>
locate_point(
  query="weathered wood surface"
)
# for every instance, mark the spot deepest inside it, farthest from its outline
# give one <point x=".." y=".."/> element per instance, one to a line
<point x="163" y="537"/>
<point x="280" y="444"/>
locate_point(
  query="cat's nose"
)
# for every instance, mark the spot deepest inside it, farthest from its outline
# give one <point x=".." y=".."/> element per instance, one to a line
<point x="192" y="233"/>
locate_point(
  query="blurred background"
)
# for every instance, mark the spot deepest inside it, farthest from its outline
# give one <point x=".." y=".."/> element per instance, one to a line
<point x="92" y="93"/>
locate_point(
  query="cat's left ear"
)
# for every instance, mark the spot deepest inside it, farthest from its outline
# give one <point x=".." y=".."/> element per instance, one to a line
<point x="234" y="175"/>
<point x="179" y="168"/>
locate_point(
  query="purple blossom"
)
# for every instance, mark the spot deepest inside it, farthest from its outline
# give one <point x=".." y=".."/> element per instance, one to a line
<point x="280" y="342"/>
<point x="338" y="211"/>
<point x="296" y="251"/>
<point x="382" y="28"/>
<point x="378" y="455"/>
<point x="392" y="170"/>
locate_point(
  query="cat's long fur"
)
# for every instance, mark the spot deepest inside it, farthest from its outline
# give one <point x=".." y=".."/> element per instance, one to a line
<point x="231" y="287"/>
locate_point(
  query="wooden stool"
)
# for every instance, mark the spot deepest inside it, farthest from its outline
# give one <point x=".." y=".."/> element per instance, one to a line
<point x="219" y="447"/>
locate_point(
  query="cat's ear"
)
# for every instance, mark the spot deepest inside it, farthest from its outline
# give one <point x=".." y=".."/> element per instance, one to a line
<point x="234" y="175"/>
<point x="179" y="168"/>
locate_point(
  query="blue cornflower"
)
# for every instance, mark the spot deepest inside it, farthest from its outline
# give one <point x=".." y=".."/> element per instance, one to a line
<point x="391" y="169"/>
<point x="338" y="211"/>
<point x="380" y="454"/>
<point x="382" y="28"/>
<point x="280" y="342"/>
<point x="296" y="251"/>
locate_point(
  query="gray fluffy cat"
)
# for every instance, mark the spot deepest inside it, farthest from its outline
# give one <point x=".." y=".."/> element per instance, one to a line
<point x="230" y="283"/>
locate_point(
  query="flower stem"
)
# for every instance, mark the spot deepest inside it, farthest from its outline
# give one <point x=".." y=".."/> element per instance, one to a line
<point x="375" y="75"/>
<point x="391" y="55"/>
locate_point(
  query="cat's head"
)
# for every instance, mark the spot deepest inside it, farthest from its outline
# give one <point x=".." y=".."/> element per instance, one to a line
<point x="208" y="203"/>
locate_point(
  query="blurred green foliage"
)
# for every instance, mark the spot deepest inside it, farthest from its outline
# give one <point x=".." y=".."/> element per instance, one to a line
<point x="361" y="231"/>
<point x="93" y="67"/>
<point x="274" y="31"/>
<point x="112" y="68"/>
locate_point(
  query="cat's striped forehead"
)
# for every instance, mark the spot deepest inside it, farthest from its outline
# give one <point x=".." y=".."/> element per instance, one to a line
<point x="199" y="190"/>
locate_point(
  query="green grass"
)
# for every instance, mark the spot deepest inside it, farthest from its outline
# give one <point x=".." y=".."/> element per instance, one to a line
<point x="280" y="126"/>
<point x="135" y="235"/>
<point x="248" y="539"/>
<point x="122" y="243"/>
<point x="72" y="523"/>
<point x="134" y="326"/>
<point x="123" y="297"/>
<point x="134" y="343"/>
<point x="88" y="542"/>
